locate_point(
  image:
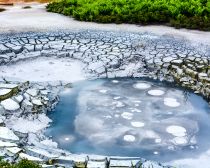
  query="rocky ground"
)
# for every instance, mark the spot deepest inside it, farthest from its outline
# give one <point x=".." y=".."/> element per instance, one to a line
<point x="109" y="54"/>
<point x="35" y="66"/>
<point x="102" y="54"/>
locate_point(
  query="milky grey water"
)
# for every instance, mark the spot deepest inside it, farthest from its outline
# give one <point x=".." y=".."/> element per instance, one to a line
<point x="131" y="117"/>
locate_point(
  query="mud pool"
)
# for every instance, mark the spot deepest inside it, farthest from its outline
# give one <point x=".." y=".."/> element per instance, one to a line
<point x="131" y="117"/>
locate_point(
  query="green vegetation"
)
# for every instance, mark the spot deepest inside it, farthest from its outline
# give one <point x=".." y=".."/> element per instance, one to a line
<point x="2" y="9"/>
<point x="21" y="164"/>
<point x="192" y="14"/>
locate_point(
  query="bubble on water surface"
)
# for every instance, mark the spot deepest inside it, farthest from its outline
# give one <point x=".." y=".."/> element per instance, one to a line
<point x="171" y="102"/>
<point x="180" y="140"/>
<point x="115" y="81"/>
<point x="135" y="110"/>
<point x="129" y="138"/>
<point x="158" y="140"/>
<point x="117" y="97"/>
<point x="176" y="130"/>
<point x="155" y="152"/>
<point x="156" y="92"/>
<point x="137" y="124"/>
<point x="103" y="91"/>
<point x="127" y="115"/>
<point x="118" y="104"/>
<point x="142" y="86"/>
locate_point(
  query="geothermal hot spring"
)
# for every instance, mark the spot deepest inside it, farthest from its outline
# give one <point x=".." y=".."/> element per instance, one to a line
<point x="131" y="117"/>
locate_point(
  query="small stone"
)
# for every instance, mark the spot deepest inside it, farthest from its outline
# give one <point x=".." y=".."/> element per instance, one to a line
<point x="177" y="62"/>
<point x="202" y="75"/>
<point x="167" y="59"/>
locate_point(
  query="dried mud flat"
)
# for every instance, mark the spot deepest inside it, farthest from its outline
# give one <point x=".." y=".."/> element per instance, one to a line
<point x="41" y="46"/>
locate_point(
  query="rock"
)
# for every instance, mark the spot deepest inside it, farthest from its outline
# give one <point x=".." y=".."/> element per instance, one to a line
<point x="44" y="92"/>
<point x="27" y="104"/>
<point x="13" y="150"/>
<point x="177" y="62"/>
<point x="19" y="98"/>
<point x="4" y="49"/>
<point x="2" y="110"/>
<point x="184" y="79"/>
<point x="7" y="144"/>
<point x="28" y="157"/>
<point x="8" y="86"/>
<point x="37" y="102"/>
<point x="149" y="164"/>
<point x="77" y="160"/>
<point x="5" y="94"/>
<point x="10" y="105"/>
<point x="41" y="153"/>
<point x="7" y="91"/>
<point x="32" y="92"/>
<point x="27" y="96"/>
<point x="190" y="72"/>
<point x="7" y="134"/>
<point x="4" y="91"/>
<point x="114" y="64"/>
<point x="2" y="154"/>
<point x="123" y="162"/>
<point x="49" y="143"/>
<point x="200" y="75"/>
<point x="1" y="122"/>
<point x="167" y="59"/>
<point x="96" y="164"/>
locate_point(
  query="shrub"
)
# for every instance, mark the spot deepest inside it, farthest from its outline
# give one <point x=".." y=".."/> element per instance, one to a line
<point x="22" y="164"/>
<point x="193" y="14"/>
